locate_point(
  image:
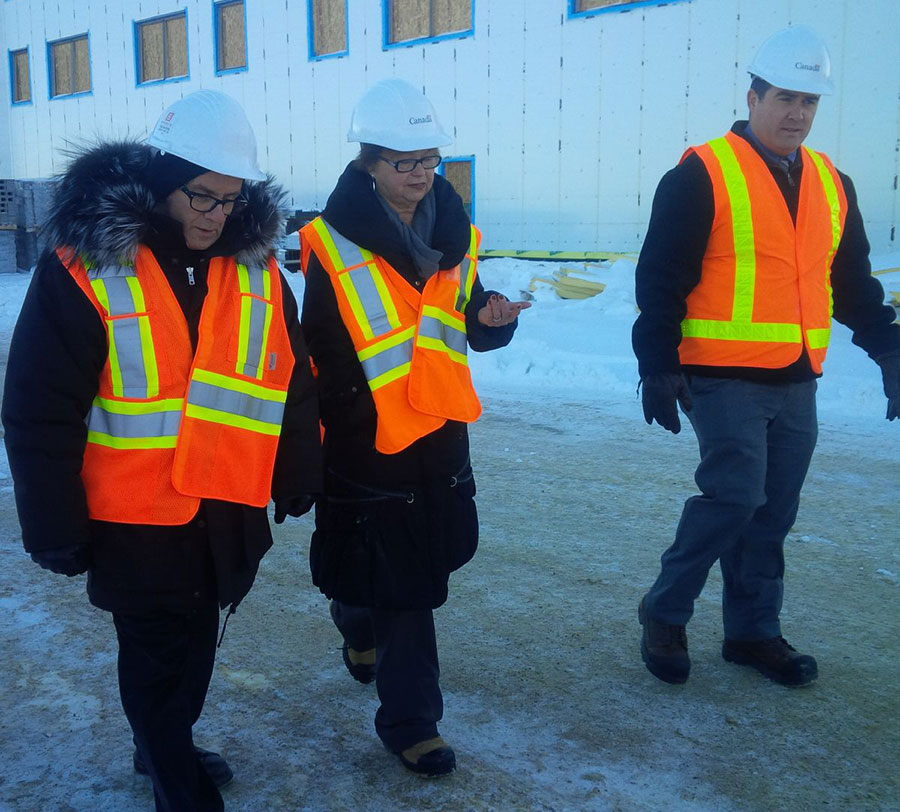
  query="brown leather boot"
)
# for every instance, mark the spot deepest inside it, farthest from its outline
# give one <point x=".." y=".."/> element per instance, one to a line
<point x="664" y="649"/>
<point x="775" y="658"/>
<point x="430" y="758"/>
<point x="360" y="664"/>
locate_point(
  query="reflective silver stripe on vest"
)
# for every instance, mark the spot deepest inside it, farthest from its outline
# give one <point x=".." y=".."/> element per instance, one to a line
<point x="241" y="404"/>
<point x="121" y="301"/>
<point x="465" y="271"/>
<point x="153" y="424"/>
<point x="255" y="312"/>
<point x="387" y="359"/>
<point x="362" y="280"/>
<point x="255" y="336"/>
<point x="256" y="280"/>
<point x="370" y="300"/>
<point x="349" y="251"/>
<point x="435" y="328"/>
<point x="124" y="333"/>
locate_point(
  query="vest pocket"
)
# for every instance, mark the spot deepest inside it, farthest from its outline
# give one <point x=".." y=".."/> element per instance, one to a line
<point x="248" y="345"/>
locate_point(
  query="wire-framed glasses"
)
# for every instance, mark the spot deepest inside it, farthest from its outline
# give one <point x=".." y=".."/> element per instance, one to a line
<point x="408" y="164"/>
<point x="206" y="203"/>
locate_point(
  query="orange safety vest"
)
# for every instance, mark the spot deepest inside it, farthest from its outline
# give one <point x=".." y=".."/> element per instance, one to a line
<point x="170" y="426"/>
<point x="765" y="287"/>
<point x="412" y="345"/>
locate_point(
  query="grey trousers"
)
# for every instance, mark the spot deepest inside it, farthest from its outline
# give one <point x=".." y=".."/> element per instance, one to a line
<point x="406" y="669"/>
<point x="756" y="441"/>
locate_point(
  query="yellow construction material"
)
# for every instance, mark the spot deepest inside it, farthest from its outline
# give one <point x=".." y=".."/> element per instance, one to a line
<point x="556" y="256"/>
<point x="569" y="286"/>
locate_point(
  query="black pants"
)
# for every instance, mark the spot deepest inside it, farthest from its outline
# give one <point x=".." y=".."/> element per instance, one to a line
<point x="165" y="664"/>
<point x="406" y="669"/>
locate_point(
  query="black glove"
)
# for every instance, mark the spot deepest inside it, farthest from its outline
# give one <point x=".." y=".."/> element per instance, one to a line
<point x="890" y="375"/>
<point x="293" y="506"/>
<point x="71" y="560"/>
<point x="660" y="392"/>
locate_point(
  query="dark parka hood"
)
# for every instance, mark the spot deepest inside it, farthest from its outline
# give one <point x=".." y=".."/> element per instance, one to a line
<point x="102" y="208"/>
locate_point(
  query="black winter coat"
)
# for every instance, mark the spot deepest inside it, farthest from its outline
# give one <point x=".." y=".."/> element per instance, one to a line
<point x="670" y="264"/>
<point x="392" y="527"/>
<point x="58" y="350"/>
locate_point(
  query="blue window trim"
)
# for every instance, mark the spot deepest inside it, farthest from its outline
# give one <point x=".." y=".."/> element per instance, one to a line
<point x="246" y="66"/>
<point x="12" y="78"/>
<point x="458" y="159"/>
<point x="387" y="45"/>
<point x="135" y="30"/>
<point x="591" y="12"/>
<point x="60" y="41"/>
<point x="311" y="27"/>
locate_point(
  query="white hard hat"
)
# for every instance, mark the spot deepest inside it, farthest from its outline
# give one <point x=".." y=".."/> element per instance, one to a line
<point x="394" y="114"/>
<point x="795" y="58"/>
<point x="210" y="129"/>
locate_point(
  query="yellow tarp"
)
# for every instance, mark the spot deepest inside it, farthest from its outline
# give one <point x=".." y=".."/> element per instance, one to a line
<point x="571" y="283"/>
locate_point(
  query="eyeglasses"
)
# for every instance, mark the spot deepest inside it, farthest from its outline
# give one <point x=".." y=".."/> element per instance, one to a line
<point x="408" y="164"/>
<point x="206" y="203"/>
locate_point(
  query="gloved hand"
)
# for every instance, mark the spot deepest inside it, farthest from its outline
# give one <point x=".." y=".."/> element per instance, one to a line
<point x="70" y="560"/>
<point x="293" y="506"/>
<point x="661" y="391"/>
<point x="890" y="375"/>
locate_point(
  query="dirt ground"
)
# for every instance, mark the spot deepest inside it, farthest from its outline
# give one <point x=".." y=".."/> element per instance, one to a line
<point x="547" y="702"/>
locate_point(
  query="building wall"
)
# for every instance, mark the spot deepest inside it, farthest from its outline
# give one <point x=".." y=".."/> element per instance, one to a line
<point x="572" y="120"/>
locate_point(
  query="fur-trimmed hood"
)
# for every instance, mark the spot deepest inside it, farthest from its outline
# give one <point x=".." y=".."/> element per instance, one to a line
<point x="103" y="209"/>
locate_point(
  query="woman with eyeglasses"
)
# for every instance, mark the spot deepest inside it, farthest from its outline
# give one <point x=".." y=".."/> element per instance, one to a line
<point x="392" y="304"/>
<point x="158" y="395"/>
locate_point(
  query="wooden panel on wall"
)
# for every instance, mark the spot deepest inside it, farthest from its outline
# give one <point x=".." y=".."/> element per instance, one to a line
<point x="451" y="15"/>
<point x="410" y="19"/>
<point x="329" y="26"/>
<point x="176" y="46"/>
<point x="151" y="37"/>
<point x="459" y="173"/>
<point x="232" y="48"/>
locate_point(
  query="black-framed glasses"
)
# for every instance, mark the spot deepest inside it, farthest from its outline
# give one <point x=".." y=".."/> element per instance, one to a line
<point x="206" y="203"/>
<point x="408" y="164"/>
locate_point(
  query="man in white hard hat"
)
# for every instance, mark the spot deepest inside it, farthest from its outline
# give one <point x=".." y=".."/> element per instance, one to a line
<point x="158" y="394"/>
<point x="752" y="240"/>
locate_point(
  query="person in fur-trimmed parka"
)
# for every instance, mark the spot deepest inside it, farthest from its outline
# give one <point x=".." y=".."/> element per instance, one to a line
<point x="129" y="207"/>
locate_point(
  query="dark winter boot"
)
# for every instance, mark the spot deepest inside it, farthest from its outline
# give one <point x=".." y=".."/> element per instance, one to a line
<point x="775" y="658"/>
<point x="664" y="649"/>
<point x="360" y="664"/>
<point x="216" y="767"/>
<point x="430" y="758"/>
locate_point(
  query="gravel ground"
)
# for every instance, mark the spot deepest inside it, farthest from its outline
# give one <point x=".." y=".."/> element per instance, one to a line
<point x="547" y="702"/>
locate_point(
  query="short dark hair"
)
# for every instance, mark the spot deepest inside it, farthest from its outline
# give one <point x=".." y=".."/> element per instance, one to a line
<point x="368" y="156"/>
<point x="760" y="86"/>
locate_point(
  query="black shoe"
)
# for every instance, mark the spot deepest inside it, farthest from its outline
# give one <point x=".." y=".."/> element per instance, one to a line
<point x="775" y="658"/>
<point x="361" y="672"/>
<point x="664" y="649"/>
<point x="430" y="758"/>
<point x="216" y="767"/>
